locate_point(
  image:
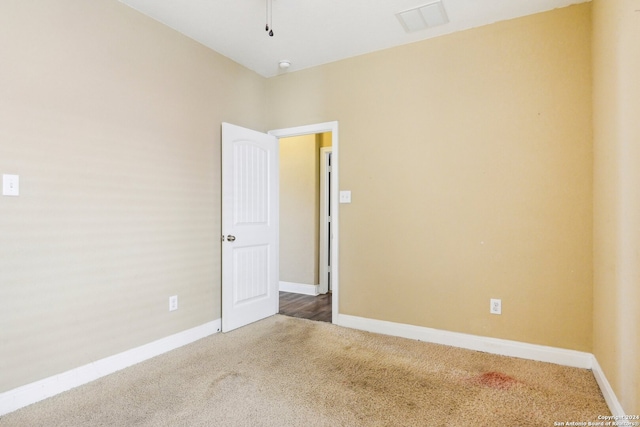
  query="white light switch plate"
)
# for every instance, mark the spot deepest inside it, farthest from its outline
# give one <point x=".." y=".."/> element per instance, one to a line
<point x="10" y="185"/>
<point x="345" y="197"/>
<point x="173" y="302"/>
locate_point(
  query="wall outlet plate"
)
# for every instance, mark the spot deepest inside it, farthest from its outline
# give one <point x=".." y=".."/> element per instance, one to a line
<point x="10" y="185"/>
<point x="173" y="303"/>
<point x="495" y="306"/>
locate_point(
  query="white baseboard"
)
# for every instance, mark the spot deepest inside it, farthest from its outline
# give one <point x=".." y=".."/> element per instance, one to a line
<point x="559" y="356"/>
<point x="607" y="390"/>
<point x="299" y="288"/>
<point x="501" y="347"/>
<point x="31" y="393"/>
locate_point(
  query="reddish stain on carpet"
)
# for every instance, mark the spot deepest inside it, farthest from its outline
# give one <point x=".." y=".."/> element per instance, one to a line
<point x="496" y="380"/>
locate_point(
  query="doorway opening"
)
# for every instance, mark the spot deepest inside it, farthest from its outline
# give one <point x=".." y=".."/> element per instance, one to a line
<point x="308" y="221"/>
<point x="305" y="234"/>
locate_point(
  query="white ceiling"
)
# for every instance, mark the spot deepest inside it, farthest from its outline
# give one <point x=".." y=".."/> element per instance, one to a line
<point x="315" y="32"/>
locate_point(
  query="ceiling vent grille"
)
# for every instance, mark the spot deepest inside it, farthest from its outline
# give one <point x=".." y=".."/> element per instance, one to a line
<point x="423" y="17"/>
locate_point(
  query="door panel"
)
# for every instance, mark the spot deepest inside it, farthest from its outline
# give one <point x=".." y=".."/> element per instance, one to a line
<point x="250" y="266"/>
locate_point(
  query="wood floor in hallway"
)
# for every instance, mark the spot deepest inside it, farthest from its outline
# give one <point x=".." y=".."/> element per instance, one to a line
<point x="306" y="306"/>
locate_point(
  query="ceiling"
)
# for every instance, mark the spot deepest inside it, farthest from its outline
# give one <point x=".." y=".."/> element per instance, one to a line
<point x="315" y="32"/>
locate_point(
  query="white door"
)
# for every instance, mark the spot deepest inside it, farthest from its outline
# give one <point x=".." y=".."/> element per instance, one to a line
<point x="250" y="259"/>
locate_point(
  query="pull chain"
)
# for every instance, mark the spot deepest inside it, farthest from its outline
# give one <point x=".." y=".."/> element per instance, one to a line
<point x="269" y="18"/>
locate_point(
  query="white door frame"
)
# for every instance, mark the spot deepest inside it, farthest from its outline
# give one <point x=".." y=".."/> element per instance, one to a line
<point x="324" y="243"/>
<point x="315" y="129"/>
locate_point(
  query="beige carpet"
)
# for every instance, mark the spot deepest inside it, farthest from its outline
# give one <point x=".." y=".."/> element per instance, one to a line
<point x="284" y="371"/>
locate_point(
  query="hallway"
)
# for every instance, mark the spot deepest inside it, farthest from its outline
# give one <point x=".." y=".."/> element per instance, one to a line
<point x="306" y="306"/>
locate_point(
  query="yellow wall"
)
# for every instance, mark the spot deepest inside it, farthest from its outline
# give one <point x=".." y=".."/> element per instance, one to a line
<point x="470" y="161"/>
<point x="324" y="139"/>
<point x="112" y="121"/>
<point x="299" y="209"/>
<point x="616" y="67"/>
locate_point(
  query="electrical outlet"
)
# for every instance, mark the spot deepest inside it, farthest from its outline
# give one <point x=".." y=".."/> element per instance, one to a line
<point x="10" y="185"/>
<point x="496" y="306"/>
<point x="173" y="303"/>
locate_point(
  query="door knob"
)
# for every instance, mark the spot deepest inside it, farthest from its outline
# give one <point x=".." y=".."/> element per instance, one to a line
<point x="231" y="238"/>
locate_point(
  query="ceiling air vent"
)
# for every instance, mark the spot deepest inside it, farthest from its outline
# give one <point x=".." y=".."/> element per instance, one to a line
<point x="423" y="17"/>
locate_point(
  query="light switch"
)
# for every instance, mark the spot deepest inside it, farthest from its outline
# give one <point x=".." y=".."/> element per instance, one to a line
<point x="345" y="197"/>
<point x="10" y="185"/>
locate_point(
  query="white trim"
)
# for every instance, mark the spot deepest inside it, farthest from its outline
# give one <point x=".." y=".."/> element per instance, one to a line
<point x="609" y="396"/>
<point x="31" y="393"/>
<point x="304" y="130"/>
<point x="299" y="288"/>
<point x="559" y="356"/>
<point x="324" y="241"/>
<point x="576" y="359"/>
<point x="20" y="397"/>
<point x="335" y="187"/>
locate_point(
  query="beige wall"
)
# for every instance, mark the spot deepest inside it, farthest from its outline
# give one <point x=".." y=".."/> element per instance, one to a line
<point x="299" y="209"/>
<point x="470" y="161"/>
<point x="616" y="67"/>
<point x="470" y="158"/>
<point x="112" y="122"/>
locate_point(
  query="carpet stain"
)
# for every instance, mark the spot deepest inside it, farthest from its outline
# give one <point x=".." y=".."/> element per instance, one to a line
<point x="293" y="372"/>
<point x="224" y="376"/>
<point x="387" y="387"/>
<point x="496" y="380"/>
<point x="223" y="381"/>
